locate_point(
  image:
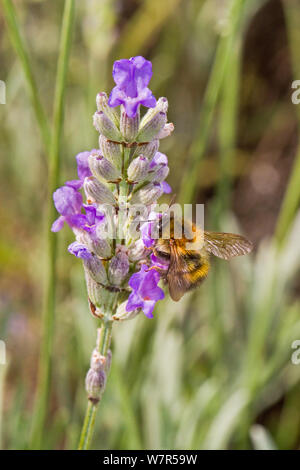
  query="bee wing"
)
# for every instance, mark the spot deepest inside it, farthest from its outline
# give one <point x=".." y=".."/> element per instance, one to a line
<point x="226" y="245"/>
<point x="178" y="284"/>
<point x="175" y="289"/>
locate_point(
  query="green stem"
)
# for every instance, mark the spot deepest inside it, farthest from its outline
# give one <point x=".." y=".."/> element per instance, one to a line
<point x="227" y="132"/>
<point x="198" y="148"/>
<point x="20" y="48"/>
<point x="44" y="376"/>
<point x="90" y="415"/>
<point x="292" y="195"/>
<point x="221" y="204"/>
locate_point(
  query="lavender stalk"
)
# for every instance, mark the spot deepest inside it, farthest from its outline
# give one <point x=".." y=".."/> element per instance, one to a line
<point x="122" y="180"/>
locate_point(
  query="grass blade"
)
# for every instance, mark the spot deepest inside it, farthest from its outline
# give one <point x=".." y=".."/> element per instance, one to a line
<point x="2" y="381"/>
<point x="148" y="19"/>
<point x="227" y="132"/>
<point x="261" y="438"/>
<point x="48" y="318"/>
<point x="20" y="48"/>
<point x="292" y="196"/>
<point x="197" y="150"/>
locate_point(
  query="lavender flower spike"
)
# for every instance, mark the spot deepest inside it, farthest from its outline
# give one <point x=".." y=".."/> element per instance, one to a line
<point x="119" y="267"/>
<point x="122" y="178"/>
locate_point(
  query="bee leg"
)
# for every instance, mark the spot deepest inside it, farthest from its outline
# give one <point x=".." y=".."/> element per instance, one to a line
<point x="158" y="269"/>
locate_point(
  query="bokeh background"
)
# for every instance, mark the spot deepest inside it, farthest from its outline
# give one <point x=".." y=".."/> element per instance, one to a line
<point x="213" y="371"/>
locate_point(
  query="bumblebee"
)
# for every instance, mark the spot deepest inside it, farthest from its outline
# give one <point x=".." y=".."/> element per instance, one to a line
<point x="187" y="257"/>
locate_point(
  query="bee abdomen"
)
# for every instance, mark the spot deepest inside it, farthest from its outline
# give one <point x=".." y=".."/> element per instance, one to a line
<point x="196" y="275"/>
<point x="199" y="273"/>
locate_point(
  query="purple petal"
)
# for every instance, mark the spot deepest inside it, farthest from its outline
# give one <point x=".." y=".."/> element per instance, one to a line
<point x="77" y="220"/>
<point x="83" y="169"/>
<point x="75" y="184"/>
<point x="134" y="301"/>
<point x="145" y="291"/>
<point x="160" y="263"/>
<point x="93" y="217"/>
<point x="67" y="200"/>
<point x="166" y="187"/>
<point x="58" y="224"/>
<point x="90" y="213"/>
<point x="79" y="250"/>
<point x="158" y="159"/>
<point x="131" y="107"/>
<point x="136" y="278"/>
<point x="149" y="102"/>
<point x="142" y="71"/>
<point x="124" y="77"/>
<point x="116" y="97"/>
<point x="148" y="308"/>
<point x="146" y="98"/>
<point x="145" y="230"/>
<point x="149" y="289"/>
<point x="122" y="72"/>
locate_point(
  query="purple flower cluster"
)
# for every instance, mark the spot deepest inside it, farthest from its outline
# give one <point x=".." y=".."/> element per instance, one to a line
<point x="159" y="164"/>
<point x="101" y="171"/>
<point x="145" y="291"/>
<point x="132" y="78"/>
<point x="69" y="203"/>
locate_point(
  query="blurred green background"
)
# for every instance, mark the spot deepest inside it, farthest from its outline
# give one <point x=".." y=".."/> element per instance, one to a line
<point x="213" y="371"/>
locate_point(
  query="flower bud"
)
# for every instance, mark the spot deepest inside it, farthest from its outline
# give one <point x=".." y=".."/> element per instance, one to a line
<point x="138" y="169"/>
<point x="147" y="150"/>
<point x="111" y="150"/>
<point x="100" y="246"/>
<point x="98" y="295"/>
<point x="97" y="191"/>
<point x="161" y="106"/>
<point x="148" y="194"/>
<point x="122" y="315"/>
<point x="105" y="126"/>
<point x="118" y="266"/>
<point x="129" y="127"/>
<point x="96" y="269"/>
<point x="152" y="127"/>
<point x="98" y="362"/>
<point x="159" y="173"/>
<point x="103" y="168"/>
<point x="137" y="251"/>
<point x="166" y="130"/>
<point x="95" y="382"/>
<point x="102" y="105"/>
